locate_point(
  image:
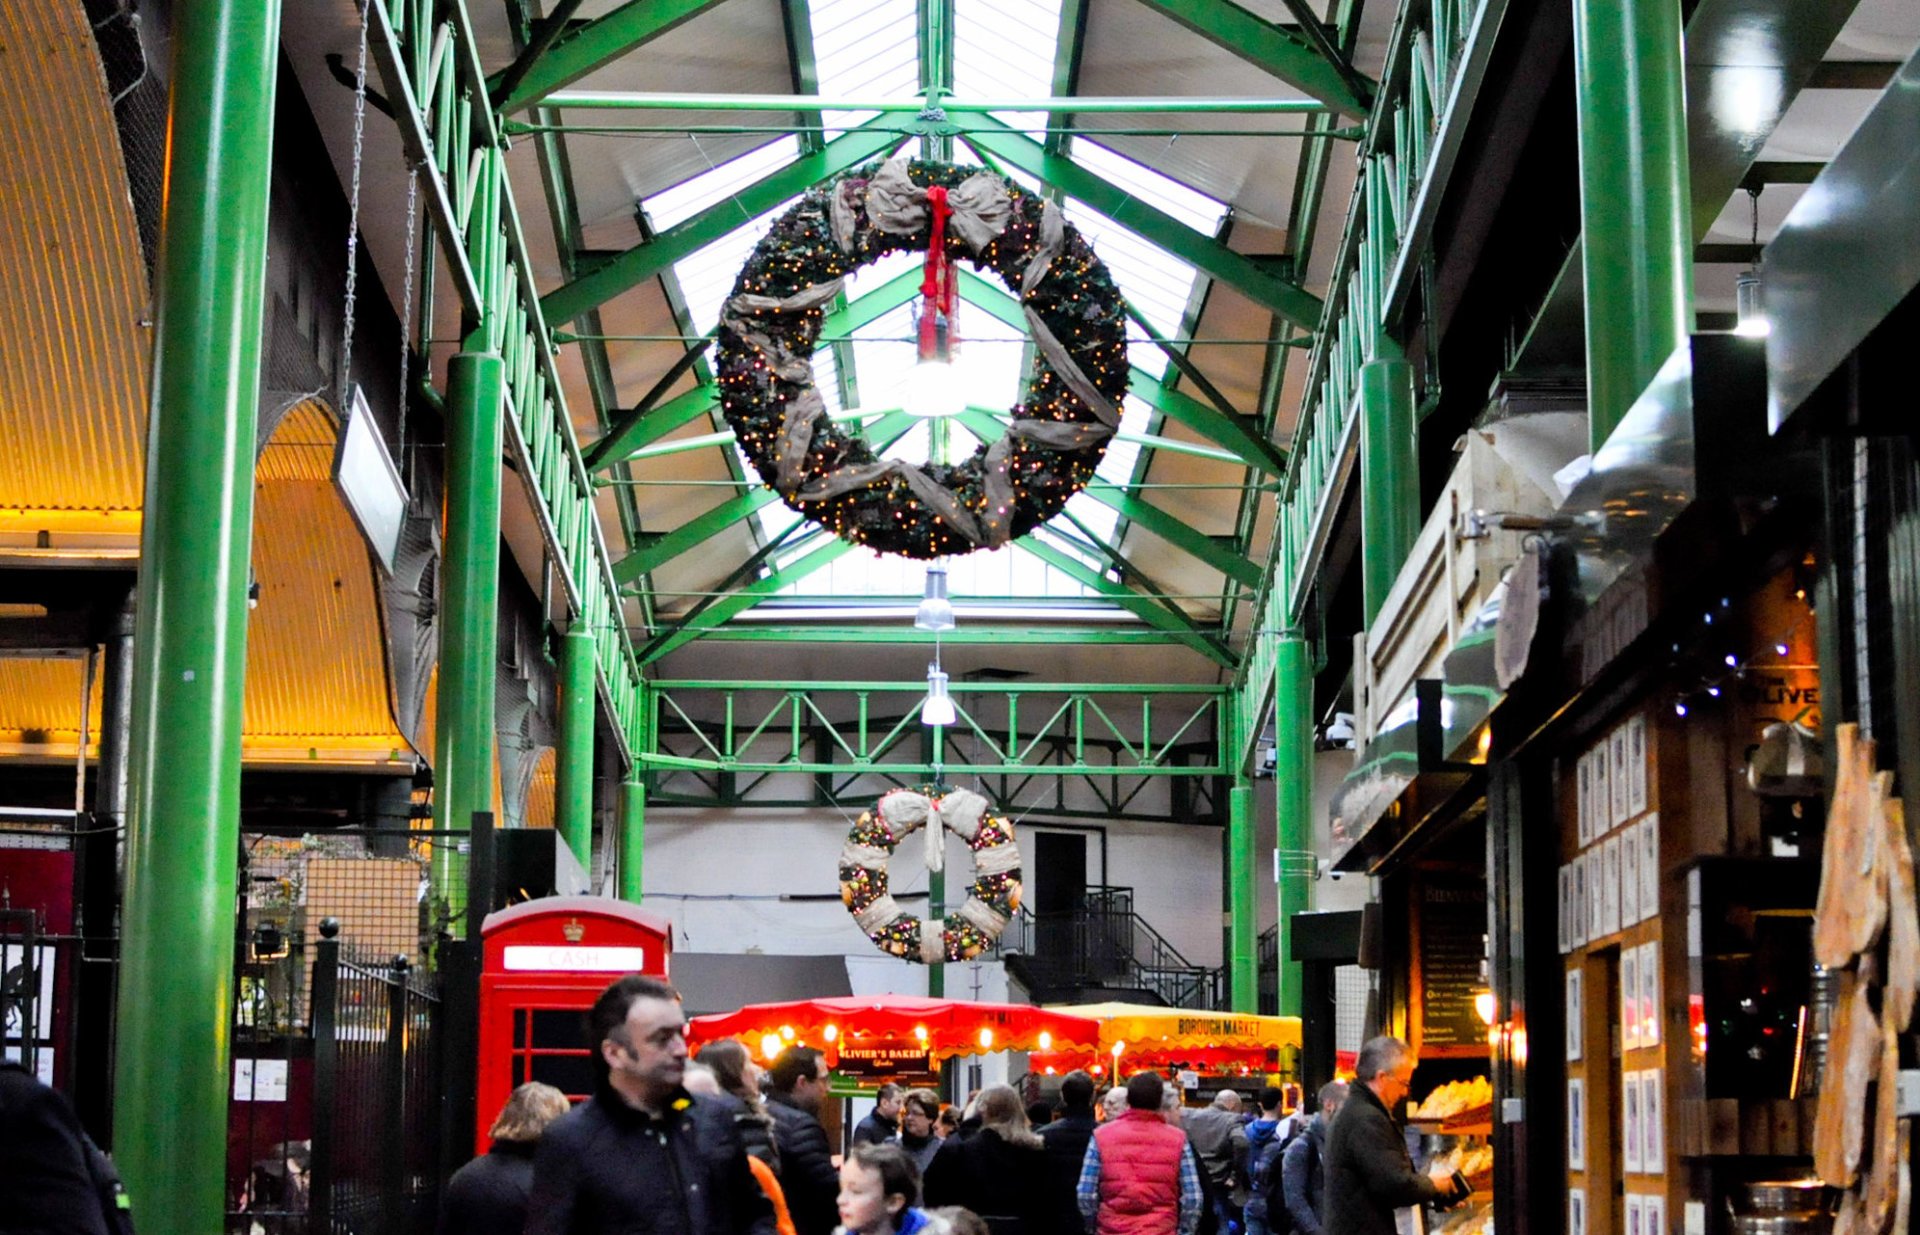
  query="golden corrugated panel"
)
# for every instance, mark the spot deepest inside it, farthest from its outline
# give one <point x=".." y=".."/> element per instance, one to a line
<point x="316" y="662"/>
<point x="540" y="791"/>
<point x="73" y="284"/>
<point x="40" y="703"/>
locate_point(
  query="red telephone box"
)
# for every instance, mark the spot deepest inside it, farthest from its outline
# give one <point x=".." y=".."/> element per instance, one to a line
<point x="543" y="964"/>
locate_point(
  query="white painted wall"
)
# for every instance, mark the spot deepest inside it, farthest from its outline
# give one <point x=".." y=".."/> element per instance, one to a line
<point x="722" y="877"/>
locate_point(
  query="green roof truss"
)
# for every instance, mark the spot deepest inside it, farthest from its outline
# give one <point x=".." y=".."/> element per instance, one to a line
<point x="1291" y="57"/>
<point x="647" y="259"/>
<point x="593" y="45"/>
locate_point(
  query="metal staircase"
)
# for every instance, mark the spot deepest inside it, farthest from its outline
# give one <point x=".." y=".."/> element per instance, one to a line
<point x="1102" y="949"/>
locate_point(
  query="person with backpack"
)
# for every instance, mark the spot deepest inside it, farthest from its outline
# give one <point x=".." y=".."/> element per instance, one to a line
<point x="1302" y="1181"/>
<point x="1269" y="1210"/>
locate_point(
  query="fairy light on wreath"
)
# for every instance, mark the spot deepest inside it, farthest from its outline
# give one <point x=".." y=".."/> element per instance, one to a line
<point x="1059" y="430"/>
<point x="992" y="898"/>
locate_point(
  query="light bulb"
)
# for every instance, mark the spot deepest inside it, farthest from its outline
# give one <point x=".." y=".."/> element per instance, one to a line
<point x="936" y="611"/>
<point x="1046" y="1040"/>
<point x="938" y="708"/>
<point x="1484" y="1006"/>
<point x="986" y="1037"/>
<point x="1750" y="306"/>
<point x="770" y="1047"/>
<point x="933" y="390"/>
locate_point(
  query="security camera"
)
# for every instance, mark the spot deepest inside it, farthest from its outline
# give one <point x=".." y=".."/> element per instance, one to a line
<point x="1325" y="870"/>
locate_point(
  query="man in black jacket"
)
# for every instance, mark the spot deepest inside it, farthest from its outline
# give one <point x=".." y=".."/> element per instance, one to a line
<point x="1368" y="1171"/>
<point x="643" y="1154"/>
<point x="1066" y="1140"/>
<point x="883" y="1124"/>
<point x="799" y="1078"/>
<point x="45" y="1177"/>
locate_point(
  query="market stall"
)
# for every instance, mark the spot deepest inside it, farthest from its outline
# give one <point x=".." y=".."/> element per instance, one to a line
<point x="1135" y="1036"/>
<point x="913" y="1031"/>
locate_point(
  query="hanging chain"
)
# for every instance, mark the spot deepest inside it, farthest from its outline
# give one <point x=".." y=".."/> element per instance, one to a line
<point x="353" y="215"/>
<point x="406" y="321"/>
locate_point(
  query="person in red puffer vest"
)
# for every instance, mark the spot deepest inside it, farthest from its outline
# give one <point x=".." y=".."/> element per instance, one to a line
<point x="1140" y="1176"/>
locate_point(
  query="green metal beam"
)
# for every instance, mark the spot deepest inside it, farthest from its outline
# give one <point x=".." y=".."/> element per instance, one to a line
<point x="1197" y="249"/>
<point x="739" y="602"/>
<point x="1389" y="477"/>
<point x="1152" y="612"/>
<point x="971" y="634"/>
<point x="573" y="765"/>
<point x="633" y="834"/>
<point x="174" y="1011"/>
<point x="1270" y="48"/>
<point x="691" y="534"/>
<point x="598" y="43"/>
<point x="1176" y="532"/>
<point x="1230" y="433"/>
<point x="599" y="454"/>
<point x="676" y="413"/>
<point x="541" y="36"/>
<point x="643" y="261"/>
<point x="1070" y="46"/>
<point x="1241" y="439"/>
<point x="1293" y="801"/>
<point x="1629" y="101"/>
<point x="797" y="21"/>
<point x="1243" y="919"/>
<point x="696" y="531"/>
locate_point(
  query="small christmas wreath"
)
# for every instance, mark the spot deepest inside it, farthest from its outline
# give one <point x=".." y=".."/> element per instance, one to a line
<point x="1059" y="431"/>
<point x="991" y="901"/>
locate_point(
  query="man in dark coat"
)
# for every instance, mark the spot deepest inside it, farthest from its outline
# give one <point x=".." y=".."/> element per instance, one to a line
<point x="1303" y="1176"/>
<point x="807" y="1174"/>
<point x="883" y="1123"/>
<point x="1065" y="1140"/>
<point x="642" y="1153"/>
<point x="1368" y="1171"/>
<point x="45" y="1181"/>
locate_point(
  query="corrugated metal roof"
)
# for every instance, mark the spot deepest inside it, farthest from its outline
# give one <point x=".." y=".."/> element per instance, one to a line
<point x="73" y="357"/>
<point x="316" y="667"/>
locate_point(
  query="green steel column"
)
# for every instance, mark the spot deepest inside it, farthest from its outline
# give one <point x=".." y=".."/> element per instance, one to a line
<point x="1389" y="475"/>
<point x="573" y="769"/>
<point x="1293" y="800"/>
<point x="176" y="951"/>
<point x="463" y="747"/>
<point x="633" y="829"/>
<point x="1243" y="971"/>
<point x="1629" y="96"/>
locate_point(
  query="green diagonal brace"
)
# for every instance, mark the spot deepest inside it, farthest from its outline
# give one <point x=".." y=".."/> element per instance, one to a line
<point x="1176" y="533"/>
<point x="1208" y="422"/>
<point x="1147" y="610"/>
<point x="1256" y="452"/>
<point x="870" y="307"/>
<point x="1197" y="249"/>
<point x="696" y="531"/>
<point x="598" y="43"/>
<point x="729" y="607"/>
<point x="643" y="261"/>
<point x="693" y="532"/>
<point x="1270" y="48"/>
<point x="1152" y="518"/>
<point x="679" y="411"/>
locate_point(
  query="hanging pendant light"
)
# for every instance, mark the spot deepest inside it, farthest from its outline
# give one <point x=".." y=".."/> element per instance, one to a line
<point x="935" y="611"/>
<point x="938" y="708"/>
<point x="1749" y="299"/>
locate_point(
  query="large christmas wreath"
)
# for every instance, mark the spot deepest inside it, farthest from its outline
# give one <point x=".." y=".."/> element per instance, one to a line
<point x="1059" y="430"/>
<point x="992" y="899"/>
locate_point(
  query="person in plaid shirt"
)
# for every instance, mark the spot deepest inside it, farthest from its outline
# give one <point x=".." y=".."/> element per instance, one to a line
<point x="1140" y="1175"/>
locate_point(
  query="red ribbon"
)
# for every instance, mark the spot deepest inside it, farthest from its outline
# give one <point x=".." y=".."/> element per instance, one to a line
<point x="937" y="284"/>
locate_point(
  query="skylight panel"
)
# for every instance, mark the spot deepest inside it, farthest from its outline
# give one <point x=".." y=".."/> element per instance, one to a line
<point x="864" y="48"/>
<point x="707" y="277"/>
<point x="716" y="184"/>
<point x="1005" y="49"/>
<point x="1163" y="193"/>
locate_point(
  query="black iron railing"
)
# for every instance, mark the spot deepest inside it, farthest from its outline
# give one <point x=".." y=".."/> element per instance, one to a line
<point x="1104" y="943"/>
<point x="377" y="1111"/>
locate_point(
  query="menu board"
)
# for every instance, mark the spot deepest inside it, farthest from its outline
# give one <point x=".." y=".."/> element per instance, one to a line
<point x="1453" y="943"/>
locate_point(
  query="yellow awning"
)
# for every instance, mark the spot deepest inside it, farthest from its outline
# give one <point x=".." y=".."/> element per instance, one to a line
<point x="1146" y="1026"/>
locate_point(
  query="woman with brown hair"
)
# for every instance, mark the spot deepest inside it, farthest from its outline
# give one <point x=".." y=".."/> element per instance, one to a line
<point x="488" y="1196"/>
<point x="999" y="1172"/>
<point x="739" y="1077"/>
<point x="918" y="1114"/>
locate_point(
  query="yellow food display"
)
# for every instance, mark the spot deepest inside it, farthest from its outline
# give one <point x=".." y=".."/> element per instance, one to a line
<point x="1454" y="1098"/>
